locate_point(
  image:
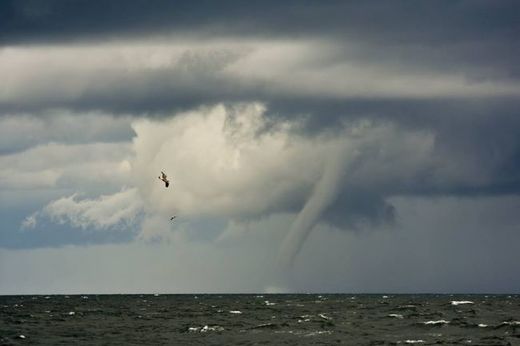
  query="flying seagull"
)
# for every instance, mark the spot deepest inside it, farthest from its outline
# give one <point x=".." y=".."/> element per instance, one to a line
<point x="164" y="178"/>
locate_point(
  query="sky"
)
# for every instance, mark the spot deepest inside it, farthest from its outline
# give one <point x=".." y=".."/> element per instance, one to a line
<point x="339" y="146"/>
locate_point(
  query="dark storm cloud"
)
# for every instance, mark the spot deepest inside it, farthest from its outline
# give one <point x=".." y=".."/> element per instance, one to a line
<point x="433" y="22"/>
<point x="449" y="33"/>
<point x="476" y="152"/>
<point x="397" y="58"/>
<point x="475" y="40"/>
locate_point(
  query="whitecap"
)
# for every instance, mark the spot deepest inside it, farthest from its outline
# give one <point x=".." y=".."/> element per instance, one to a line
<point x="264" y="325"/>
<point x="512" y="323"/>
<point x="318" y="332"/>
<point x="460" y="302"/>
<point x="205" y="329"/>
<point x="325" y="317"/>
<point x="419" y="341"/>
<point x="21" y="336"/>
<point x="216" y="328"/>
<point x="71" y="313"/>
<point x="396" y="315"/>
<point x="482" y="325"/>
<point x="384" y="297"/>
<point x="304" y="318"/>
<point x="235" y="312"/>
<point x="436" y="322"/>
<point x="269" y="303"/>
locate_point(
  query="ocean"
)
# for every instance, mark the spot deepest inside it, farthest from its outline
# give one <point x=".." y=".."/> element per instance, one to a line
<point x="260" y="319"/>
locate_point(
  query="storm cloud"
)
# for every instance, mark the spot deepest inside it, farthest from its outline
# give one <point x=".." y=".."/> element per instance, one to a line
<point x="303" y="122"/>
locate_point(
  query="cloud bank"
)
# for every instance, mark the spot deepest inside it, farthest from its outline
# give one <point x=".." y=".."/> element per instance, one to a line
<point x="232" y="162"/>
<point x="112" y="211"/>
<point x="291" y="121"/>
<point x="172" y="73"/>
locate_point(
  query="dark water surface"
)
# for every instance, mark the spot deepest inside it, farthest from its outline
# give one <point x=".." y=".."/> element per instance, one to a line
<point x="298" y="319"/>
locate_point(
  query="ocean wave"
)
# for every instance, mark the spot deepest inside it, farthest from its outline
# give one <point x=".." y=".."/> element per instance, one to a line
<point x="438" y="322"/>
<point x="510" y="323"/>
<point x="325" y="317"/>
<point x="461" y="302"/>
<point x="266" y="326"/>
<point x="318" y="332"/>
<point x="205" y="329"/>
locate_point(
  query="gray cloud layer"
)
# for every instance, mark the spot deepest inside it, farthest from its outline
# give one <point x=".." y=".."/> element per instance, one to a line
<point x="430" y="22"/>
<point x="268" y="53"/>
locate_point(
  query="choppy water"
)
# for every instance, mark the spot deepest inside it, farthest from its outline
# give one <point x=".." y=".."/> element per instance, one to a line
<point x="260" y="319"/>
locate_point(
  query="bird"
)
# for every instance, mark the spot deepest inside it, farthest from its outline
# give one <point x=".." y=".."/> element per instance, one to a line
<point x="164" y="178"/>
<point x="173" y="217"/>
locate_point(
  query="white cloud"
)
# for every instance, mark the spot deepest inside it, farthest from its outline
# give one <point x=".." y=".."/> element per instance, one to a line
<point x="230" y="162"/>
<point x="221" y="163"/>
<point x="118" y="210"/>
<point x="48" y="165"/>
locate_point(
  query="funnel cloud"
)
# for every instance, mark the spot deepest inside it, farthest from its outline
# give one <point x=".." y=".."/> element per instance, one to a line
<point x="322" y="196"/>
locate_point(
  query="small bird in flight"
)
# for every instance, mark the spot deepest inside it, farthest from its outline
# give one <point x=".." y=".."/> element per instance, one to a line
<point x="172" y="218"/>
<point x="164" y="178"/>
